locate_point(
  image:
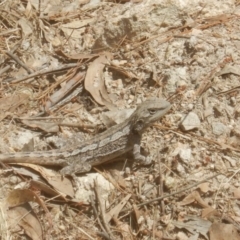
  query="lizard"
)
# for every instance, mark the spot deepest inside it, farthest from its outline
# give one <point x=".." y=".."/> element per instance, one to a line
<point x="105" y="146"/>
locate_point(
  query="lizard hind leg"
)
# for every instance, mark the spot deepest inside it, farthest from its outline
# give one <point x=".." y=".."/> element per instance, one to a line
<point x="73" y="169"/>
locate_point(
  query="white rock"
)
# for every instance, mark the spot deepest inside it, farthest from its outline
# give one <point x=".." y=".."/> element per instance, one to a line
<point x="185" y="155"/>
<point x="85" y="184"/>
<point x="191" y="121"/>
<point x="218" y="128"/>
<point x="170" y="182"/>
<point x="180" y="169"/>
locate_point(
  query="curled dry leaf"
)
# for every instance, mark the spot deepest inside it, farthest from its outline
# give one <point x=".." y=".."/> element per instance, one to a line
<point x="192" y="197"/>
<point x="229" y="69"/>
<point x="60" y="183"/>
<point x="21" y="196"/>
<point x="94" y="82"/>
<point x="24" y="216"/>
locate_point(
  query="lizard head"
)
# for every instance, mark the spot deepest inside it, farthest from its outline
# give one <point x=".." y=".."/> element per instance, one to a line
<point x="148" y="112"/>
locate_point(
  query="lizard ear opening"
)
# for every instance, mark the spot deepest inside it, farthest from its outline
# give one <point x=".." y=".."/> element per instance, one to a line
<point x="139" y="126"/>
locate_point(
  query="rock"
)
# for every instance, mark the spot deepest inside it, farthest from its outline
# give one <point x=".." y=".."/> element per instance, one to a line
<point x="181" y="170"/>
<point x="185" y="155"/>
<point x="218" y="128"/>
<point x="170" y="182"/>
<point x="190" y="122"/>
<point x="84" y="187"/>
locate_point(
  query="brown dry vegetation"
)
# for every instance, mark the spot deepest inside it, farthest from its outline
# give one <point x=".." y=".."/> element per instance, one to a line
<point x="67" y="66"/>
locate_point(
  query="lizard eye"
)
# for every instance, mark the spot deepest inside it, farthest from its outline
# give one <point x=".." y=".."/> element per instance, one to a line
<point x="152" y="111"/>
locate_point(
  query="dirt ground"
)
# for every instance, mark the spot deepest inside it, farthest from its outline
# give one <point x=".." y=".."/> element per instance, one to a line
<point x="71" y="69"/>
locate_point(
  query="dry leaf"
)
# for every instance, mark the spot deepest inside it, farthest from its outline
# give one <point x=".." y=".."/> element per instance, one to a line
<point x="25" y="26"/>
<point x="61" y="184"/>
<point x="26" y="172"/>
<point x="126" y="73"/>
<point x="221" y="231"/>
<point x="194" y="224"/>
<point x="118" y="178"/>
<point x="47" y="32"/>
<point x="41" y="186"/>
<point x="138" y="214"/>
<point x="116" y="210"/>
<point x="20" y="196"/>
<point x="28" y="9"/>
<point x="209" y="212"/>
<point x="94" y="82"/>
<point x="24" y="216"/>
<point x="35" y="3"/>
<point x="229" y="69"/>
<point x="236" y="193"/>
<point x="204" y="187"/>
<point x="124" y="228"/>
<point x="192" y="197"/>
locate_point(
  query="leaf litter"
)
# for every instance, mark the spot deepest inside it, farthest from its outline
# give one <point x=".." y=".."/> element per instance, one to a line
<point x="75" y="60"/>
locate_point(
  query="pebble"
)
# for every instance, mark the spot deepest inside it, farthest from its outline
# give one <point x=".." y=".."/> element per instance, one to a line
<point x="218" y="128"/>
<point x="185" y="155"/>
<point x="190" y="122"/>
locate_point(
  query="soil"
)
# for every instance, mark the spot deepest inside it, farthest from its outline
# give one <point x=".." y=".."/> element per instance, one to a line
<point x="71" y="69"/>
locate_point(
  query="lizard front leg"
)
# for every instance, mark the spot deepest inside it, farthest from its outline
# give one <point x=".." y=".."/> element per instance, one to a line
<point x="138" y="156"/>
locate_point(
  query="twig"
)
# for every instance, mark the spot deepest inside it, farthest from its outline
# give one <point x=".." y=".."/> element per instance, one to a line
<point x="3" y="70"/>
<point x="160" y="188"/>
<point x="81" y="230"/>
<point x="220" y="146"/>
<point x="206" y="82"/>
<point x="96" y="214"/>
<point x="101" y="208"/>
<point x="16" y="59"/>
<point x="45" y="72"/>
<point x="67" y="99"/>
<point x="154" y="226"/>
<point x="103" y="235"/>
<point x="172" y="194"/>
